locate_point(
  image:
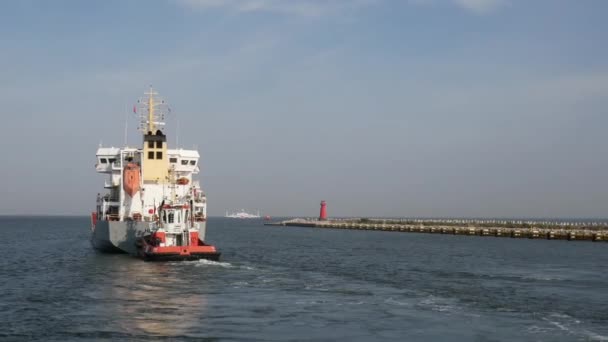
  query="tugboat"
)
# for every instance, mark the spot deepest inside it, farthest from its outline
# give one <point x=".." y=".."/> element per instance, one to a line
<point x="154" y="208"/>
<point x="174" y="236"/>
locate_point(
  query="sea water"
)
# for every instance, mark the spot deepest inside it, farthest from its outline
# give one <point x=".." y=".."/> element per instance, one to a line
<point x="301" y="284"/>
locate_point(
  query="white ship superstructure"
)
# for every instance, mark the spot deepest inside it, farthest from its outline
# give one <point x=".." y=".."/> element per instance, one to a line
<point x="242" y="214"/>
<point x="118" y="205"/>
<point x="142" y="181"/>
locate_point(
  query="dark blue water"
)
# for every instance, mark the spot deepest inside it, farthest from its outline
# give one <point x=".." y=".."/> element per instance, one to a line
<point x="280" y="284"/>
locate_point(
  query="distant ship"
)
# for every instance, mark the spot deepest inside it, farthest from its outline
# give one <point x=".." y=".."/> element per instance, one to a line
<point x="242" y="214"/>
<point x="154" y="207"/>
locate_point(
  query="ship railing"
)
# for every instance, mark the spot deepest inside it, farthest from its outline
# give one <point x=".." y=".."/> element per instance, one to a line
<point x="102" y="168"/>
<point x="109" y="185"/>
<point x="109" y="197"/>
<point x="152" y="227"/>
<point x="174" y="228"/>
<point x="112" y="217"/>
<point x="111" y="202"/>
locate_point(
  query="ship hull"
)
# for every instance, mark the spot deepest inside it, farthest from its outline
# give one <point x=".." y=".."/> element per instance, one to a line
<point x="121" y="236"/>
<point x="193" y="253"/>
<point x="178" y="257"/>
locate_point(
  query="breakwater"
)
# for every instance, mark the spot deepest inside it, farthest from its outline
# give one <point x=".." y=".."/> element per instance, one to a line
<point x="573" y="231"/>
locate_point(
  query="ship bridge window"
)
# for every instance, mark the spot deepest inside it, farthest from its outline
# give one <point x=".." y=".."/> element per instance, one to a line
<point x="111" y="160"/>
<point x="193" y="162"/>
<point x="150" y="154"/>
<point x="170" y="217"/>
<point x="184" y="162"/>
<point x="173" y="160"/>
<point x="103" y="160"/>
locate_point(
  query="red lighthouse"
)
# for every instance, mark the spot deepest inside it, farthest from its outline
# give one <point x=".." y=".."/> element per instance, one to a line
<point x="323" y="213"/>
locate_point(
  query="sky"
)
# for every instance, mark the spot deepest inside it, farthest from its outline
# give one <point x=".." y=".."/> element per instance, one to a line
<point x="399" y="108"/>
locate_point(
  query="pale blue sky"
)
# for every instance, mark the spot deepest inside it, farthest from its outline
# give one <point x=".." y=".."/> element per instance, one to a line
<point x="380" y="107"/>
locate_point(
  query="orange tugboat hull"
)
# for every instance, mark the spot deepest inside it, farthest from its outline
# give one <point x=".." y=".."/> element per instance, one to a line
<point x="149" y="252"/>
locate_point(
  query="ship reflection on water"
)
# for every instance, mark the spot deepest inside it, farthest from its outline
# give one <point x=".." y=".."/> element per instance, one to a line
<point x="156" y="300"/>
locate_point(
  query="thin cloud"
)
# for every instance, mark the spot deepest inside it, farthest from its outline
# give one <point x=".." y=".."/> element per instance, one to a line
<point x="474" y="6"/>
<point x="480" y="6"/>
<point x="309" y="8"/>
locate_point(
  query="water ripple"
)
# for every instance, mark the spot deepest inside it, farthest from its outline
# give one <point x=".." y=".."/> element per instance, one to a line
<point x="268" y="286"/>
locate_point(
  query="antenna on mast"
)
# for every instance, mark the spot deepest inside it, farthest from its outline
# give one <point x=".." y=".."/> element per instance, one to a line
<point x="177" y="134"/>
<point x="126" y="121"/>
<point x="152" y="111"/>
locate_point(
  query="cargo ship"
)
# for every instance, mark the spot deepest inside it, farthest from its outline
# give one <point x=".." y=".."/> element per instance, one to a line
<point x="153" y="208"/>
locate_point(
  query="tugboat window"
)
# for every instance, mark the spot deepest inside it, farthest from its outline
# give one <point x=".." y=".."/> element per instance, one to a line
<point x="173" y="160"/>
<point x="103" y="160"/>
<point x="193" y="162"/>
<point x="151" y="144"/>
<point x="159" y="155"/>
<point x="111" y="160"/>
<point x="159" y="144"/>
<point x="171" y="215"/>
<point x="184" y="162"/>
<point x="151" y="155"/>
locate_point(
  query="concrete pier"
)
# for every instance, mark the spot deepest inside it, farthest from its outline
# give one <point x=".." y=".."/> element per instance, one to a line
<point x="551" y="230"/>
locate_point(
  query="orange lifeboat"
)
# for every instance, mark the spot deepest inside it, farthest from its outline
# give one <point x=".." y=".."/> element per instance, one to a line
<point x="131" y="179"/>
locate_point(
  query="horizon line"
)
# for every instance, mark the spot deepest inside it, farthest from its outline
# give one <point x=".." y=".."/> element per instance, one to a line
<point x="369" y="217"/>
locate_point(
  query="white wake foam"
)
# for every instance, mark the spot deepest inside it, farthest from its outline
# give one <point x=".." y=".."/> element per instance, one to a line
<point x="205" y="262"/>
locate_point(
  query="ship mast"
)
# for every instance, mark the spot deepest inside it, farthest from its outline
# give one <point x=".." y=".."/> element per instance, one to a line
<point x="152" y="111"/>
